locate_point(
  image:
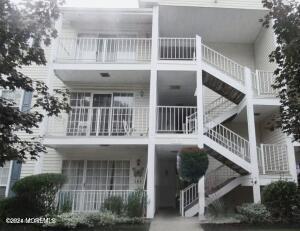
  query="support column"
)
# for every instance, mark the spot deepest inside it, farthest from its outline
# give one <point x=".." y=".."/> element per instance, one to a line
<point x="152" y="117"/>
<point x="291" y="159"/>
<point x="151" y="181"/>
<point x="252" y="136"/>
<point x="200" y="111"/>
<point x="201" y="194"/>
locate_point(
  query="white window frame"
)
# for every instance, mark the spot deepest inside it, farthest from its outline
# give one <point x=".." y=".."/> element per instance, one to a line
<point x="21" y="98"/>
<point x="7" y="184"/>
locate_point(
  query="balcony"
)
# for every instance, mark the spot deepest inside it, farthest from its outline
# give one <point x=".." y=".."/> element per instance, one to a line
<point x="103" y="50"/>
<point x="101" y="122"/>
<point x="118" y="122"/>
<point x="176" y="120"/>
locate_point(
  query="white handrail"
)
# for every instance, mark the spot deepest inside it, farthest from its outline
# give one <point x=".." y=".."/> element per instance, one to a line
<point x="101" y="121"/>
<point x="223" y="63"/>
<point x="191" y="123"/>
<point x="230" y="140"/>
<point x="273" y="159"/>
<point x="173" y="119"/>
<point x="88" y="200"/>
<point x="177" y="48"/>
<point x="103" y="50"/>
<point x="188" y="196"/>
<point x="262" y="83"/>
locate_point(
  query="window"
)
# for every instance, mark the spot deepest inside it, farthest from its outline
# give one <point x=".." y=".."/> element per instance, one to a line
<point x="13" y="96"/>
<point x="73" y="170"/>
<point x="97" y="174"/>
<point x="4" y="173"/>
<point x="100" y="114"/>
<point x="78" y="117"/>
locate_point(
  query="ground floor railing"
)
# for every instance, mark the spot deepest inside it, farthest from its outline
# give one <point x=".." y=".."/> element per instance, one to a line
<point x="90" y="200"/>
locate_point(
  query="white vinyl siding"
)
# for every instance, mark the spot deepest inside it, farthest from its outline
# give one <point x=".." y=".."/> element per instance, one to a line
<point x="263" y="46"/>
<point x="241" y="53"/>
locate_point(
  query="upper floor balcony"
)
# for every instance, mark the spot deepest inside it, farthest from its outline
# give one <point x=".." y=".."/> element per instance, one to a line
<point x="89" y="50"/>
<point x="120" y="52"/>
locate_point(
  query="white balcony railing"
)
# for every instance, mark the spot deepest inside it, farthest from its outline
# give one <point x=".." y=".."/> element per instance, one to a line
<point x="176" y="119"/>
<point x="88" y="200"/>
<point x="103" y="50"/>
<point x="177" y="48"/>
<point x="102" y="121"/>
<point x="262" y="83"/>
<point x="273" y="159"/>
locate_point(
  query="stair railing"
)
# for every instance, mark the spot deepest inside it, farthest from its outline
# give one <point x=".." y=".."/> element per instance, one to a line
<point x="191" y="124"/>
<point x="223" y="63"/>
<point x="188" y="196"/>
<point x="229" y="140"/>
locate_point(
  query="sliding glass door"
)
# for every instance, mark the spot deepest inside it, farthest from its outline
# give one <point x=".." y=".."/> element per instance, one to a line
<point x="96" y="174"/>
<point x="101" y="115"/>
<point x="97" y="114"/>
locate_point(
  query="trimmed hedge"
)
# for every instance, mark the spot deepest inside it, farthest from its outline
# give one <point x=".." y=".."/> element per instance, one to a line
<point x="34" y="196"/>
<point x="282" y="199"/>
<point x="254" y="214"/>
<point x="193" y="164"/>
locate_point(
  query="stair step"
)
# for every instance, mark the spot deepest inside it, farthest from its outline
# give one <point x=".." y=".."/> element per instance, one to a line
<point x="222" y="88"/>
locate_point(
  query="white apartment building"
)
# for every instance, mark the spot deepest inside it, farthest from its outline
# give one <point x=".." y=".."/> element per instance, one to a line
<point x="149" y="81"/>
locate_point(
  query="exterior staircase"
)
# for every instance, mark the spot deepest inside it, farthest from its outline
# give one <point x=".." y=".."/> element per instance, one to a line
<point x="227" y="78"/>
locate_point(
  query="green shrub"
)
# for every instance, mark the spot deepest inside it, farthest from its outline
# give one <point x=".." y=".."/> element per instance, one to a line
<point x="36" y="194"/>
<point x="136" y="204"/>
<point x="66" y="206"/>
<point x="254" y="214"/>
<point x="98" y="219"/>
<point x="193" y="164"/>
<point x="114" y="204"/>
<point x="281" y="199"/>
<point x="9" y="207"/>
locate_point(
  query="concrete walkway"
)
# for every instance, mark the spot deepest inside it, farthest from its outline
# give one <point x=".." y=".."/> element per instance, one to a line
<point x="171" y="221"/>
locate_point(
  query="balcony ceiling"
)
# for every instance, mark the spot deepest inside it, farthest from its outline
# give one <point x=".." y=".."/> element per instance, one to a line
<point x="212" y="24"/>
<point x="184" y="95"/>
<point x="92" y="77"/>
<point x="262" y="112"/>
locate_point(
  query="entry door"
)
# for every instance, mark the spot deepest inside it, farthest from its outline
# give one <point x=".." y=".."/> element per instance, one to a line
<point x="101" y="115"/>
